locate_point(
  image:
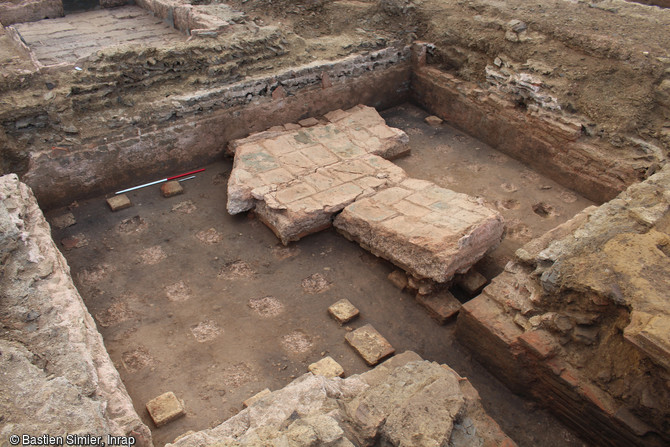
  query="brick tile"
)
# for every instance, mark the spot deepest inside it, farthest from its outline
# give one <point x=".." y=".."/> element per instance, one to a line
<point x="338" y="197"/>
<point x="369" y="344"/>
<point x="276" y="176"/>
<point x="371" y="211"/>
<point x="540" y="343"/>
<point x="440" y="306"/>
<point x="343" y="311"/>
<point x="351" y="170"/>
<point x="294" y="192"/>
<point x="326" y="367"/>
<point x="320" y="155"/>
<point x="119" y="202"/>
<point x="255" y="162"/>
<point x="165" y="408"/>
<point x="409" y="209"/>
<point x="345" y="149"/>
<point x="308" y="122"/>
<point x="280" y="146"/>
<point x="416" y="184"/>
<point x="321" y="181"/>
<point x="171" y="188"/>
<point x="370" y="182"/>
<point x="303" y="138"/>
<point x="391" y="195"/>
<point x="383" y="131"/>
<point x="296" y="163"/>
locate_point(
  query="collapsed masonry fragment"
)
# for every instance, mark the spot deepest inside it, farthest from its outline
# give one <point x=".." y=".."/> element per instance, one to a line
<point x="403" y="401"/>
<point x="298" y="180"/>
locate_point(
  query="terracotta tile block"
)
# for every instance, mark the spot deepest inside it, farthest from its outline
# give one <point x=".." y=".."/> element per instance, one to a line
<point x="165" y="408"/>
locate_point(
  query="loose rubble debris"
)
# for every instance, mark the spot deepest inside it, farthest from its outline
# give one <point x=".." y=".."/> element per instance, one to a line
<point x="404" y="401"/>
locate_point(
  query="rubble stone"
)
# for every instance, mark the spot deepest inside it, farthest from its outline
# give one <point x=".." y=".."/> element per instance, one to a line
<point x="171" y="188"/>
<point x="433" y="120"/>
<point x="399" y="279"/>
<point x="472" y="282"/>
<point x="256" y="397"/>
<point x="119" y="202"/>
<point x="326" y="367"/>
<point x="343" y="311"/>
<point x="165" y="408"/>
<point x="63" y="221"/>
<point x="369" y="344"/>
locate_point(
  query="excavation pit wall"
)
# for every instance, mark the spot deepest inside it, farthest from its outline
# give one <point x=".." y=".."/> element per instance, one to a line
<point x="190" y="131"/>
<point x="185" y="131"/>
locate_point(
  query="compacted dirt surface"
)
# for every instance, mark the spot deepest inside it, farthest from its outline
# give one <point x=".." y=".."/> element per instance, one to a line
<point x="212" y="307"/>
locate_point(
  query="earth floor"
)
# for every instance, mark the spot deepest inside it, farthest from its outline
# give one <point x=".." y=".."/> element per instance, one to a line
<point x="212" y="307"/>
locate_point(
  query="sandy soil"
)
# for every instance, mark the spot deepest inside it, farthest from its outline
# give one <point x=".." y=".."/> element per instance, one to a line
<point x="213" y="308"/>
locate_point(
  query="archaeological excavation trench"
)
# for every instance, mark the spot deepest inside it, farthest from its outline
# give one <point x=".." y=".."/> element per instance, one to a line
<point x="502" y="237"/>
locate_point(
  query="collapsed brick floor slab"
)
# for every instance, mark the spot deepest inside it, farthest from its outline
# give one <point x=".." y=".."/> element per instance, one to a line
<point x="429" y="231"/>
<point x="298" y="180"/>
<point x="57" y="375"/>
<point x="403" y="401"/>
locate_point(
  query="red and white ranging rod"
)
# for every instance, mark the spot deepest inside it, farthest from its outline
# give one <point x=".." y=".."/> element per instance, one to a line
<point x="160" y="181"/>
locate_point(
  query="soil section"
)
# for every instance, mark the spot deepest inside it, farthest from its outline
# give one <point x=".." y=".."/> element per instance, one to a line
<point x="210" y="306"/>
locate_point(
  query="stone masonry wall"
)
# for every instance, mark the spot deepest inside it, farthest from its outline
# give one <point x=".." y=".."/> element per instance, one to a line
<point x="580" y="319"/>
